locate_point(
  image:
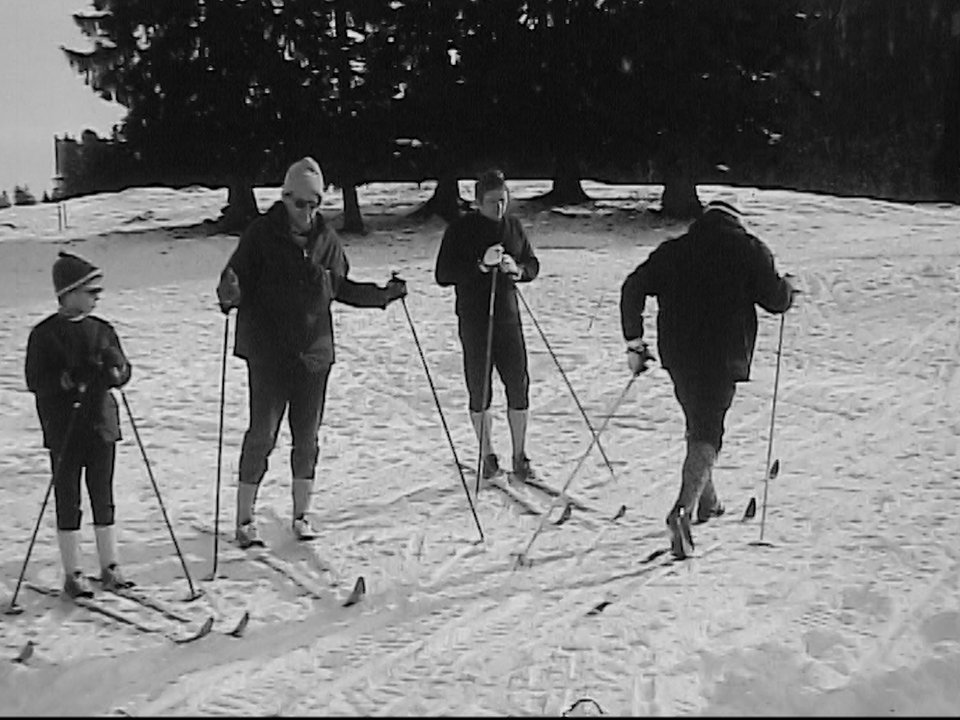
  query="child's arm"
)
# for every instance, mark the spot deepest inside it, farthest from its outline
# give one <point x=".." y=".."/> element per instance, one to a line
<point x="45" y="365"/>
<point x="115" y="363"/>
<point x="527" y="262"/>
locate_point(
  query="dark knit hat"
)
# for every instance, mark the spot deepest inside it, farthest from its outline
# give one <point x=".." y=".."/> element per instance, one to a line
<point x="71" y="272"/>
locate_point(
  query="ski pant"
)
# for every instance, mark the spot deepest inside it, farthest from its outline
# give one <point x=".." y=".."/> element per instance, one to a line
<point x="705" y="398"/>
<point x="87" y="454"/>
<point x="272" y="390"/>
<point x="508" y="356"/>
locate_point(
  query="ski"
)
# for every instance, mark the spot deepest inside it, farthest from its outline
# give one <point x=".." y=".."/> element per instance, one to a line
<point x="265" y="555"/>
<point x="146" y="601"/>
<point x="95" y="606"/>
<point x="650" y="571"/>
<point x="569" y="500"/>
<point x="543" y="487"/>
<point x="501" y="482"/>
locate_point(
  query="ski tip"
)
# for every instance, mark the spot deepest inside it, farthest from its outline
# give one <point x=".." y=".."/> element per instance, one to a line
<point x="204" y="630"/>
<point x="359" y="590"/>
<point x="654" y="555"/>
<point x="241" y="626"/>
<point x="25" y="653"/>
<point x="598" y="608"/>
<point x="774" y="469"/>
<point x="751" y="510"/>
<point x="565" y="515"/>
<point x="522" y="561"/>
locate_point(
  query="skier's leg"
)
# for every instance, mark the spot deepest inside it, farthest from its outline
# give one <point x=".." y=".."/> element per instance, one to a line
<point x="308" y="393"/>
<point x="510" y="355"/>
<point x="267" y="403"/>
<point x="473" y="341"/>
<point x="66" y="491"/>
<point x="714" y="400"/>
<point x="100" y="464"/>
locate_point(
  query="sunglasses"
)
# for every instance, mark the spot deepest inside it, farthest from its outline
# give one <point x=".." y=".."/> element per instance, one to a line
<point x="92" y="291"/>
<point x="301" y="204"/>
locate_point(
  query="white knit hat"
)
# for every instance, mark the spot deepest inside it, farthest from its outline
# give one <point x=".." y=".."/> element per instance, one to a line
<point x="304" y="178"/>
<point x="726" y="202"/>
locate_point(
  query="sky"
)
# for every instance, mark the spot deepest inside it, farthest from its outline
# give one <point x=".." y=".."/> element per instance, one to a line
<point x="40" y="94"/>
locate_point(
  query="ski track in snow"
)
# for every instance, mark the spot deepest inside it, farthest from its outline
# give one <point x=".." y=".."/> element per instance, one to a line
<point x="856" y="608"/>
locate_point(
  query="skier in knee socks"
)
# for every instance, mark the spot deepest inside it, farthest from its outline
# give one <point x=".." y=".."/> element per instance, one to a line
<point x="73" y="359"/>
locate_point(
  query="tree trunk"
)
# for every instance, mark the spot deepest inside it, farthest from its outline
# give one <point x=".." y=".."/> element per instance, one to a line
<point x="947" y="163"/>
<point x="567" y="189"/>
<point x="352" y="219"/>
<point x="241" y="207"/>
<point x="679" y="199"/>
<point x="445" y="201"/>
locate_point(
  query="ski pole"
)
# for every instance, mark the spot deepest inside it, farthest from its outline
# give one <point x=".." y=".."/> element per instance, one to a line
<point x="563" y="374"/>
<point x="773" y="413"/>
<point x="68" y="435"/>
<point x="223" y="389"/>
<point x="522" y="557"/>
<point x="443" y="420"/>
<point x="486" y="371"/>
<point x="194" y="594"/>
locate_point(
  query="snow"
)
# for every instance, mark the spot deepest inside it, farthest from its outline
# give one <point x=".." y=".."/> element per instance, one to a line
<point x="854" y="610"/>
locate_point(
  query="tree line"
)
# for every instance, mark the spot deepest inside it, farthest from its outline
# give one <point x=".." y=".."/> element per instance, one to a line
<point x="848" y="96"/>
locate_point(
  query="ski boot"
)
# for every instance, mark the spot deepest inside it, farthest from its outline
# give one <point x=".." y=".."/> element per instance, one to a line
<point x="112" y="579"/>
<point x="76" y="586"/>
<point x="681" y="539"/>
<point x="303" y="530"/>
<point x="248" y="536"/>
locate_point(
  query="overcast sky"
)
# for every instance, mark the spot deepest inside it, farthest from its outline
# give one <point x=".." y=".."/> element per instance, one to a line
<point x="40" y="95"/>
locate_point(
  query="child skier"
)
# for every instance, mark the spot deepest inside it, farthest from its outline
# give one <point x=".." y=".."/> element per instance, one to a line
<point x="73" y="358"/>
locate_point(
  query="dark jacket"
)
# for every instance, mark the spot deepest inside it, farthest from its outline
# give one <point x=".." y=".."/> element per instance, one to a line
<point x="83" y="350"/>
<point x="458" y="263"/>
<point x="707" y="283"/>
<point x="286" y="291"/>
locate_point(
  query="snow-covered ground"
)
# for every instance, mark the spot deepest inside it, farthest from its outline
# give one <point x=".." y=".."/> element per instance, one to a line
<point x="855" y="610"/>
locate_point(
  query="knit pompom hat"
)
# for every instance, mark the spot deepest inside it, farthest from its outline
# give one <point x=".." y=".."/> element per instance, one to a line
<point x="304" y="179"/>
<point x="71" y="272"/>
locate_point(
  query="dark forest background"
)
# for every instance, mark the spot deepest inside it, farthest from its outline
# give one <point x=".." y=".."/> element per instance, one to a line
<point x="850" y="97"/>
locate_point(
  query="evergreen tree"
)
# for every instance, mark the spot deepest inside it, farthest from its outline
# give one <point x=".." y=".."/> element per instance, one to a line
<point x="221" y="90"/>
<point x="4" y="200"/>
<point x="23" y="196"/>
<point x="705" y="80"/>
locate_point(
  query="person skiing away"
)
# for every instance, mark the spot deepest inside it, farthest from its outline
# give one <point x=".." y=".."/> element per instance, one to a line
<point x="73" y="359"/>
<point x="707" y="283"/>
<point x="472" y="246"/>
<point x="287" y="268"/>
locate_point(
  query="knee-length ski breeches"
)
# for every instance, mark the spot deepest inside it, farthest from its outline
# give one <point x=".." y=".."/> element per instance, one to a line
<point x="274" y="391"/>
<point x="508" y="356"/>
<point x="89" y="456"/>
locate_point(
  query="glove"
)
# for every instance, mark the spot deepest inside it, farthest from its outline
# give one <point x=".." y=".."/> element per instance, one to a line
<point x="66" y="381"/>
<point x="509" y="266"/>
<point x="114" y="364"/>
<point x="638" y="355"/>
<point x="790" y="280"/>
<point x="396" y="289"/>
<point x="112" y="358"/>
<point x="228" y="291"/>
<point x="491" y="258"/>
